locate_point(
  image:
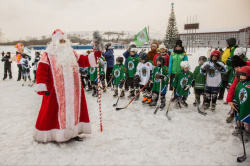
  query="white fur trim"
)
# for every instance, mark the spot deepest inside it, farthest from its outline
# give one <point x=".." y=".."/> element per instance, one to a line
<point x="92" y="60"/>
<point x="43" y="62"/>
<point x="55" y="88"/>
<point x="59" y="135"/>
<point x="41" y="87"/>
<point x="69" y="101"/>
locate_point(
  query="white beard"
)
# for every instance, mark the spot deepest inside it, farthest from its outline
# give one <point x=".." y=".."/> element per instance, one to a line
<point x="64" y="55"/>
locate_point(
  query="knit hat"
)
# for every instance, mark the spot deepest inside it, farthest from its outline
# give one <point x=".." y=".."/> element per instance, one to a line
<point x="238" y="62"/>
<point x="231" y="41"/>
<point x="155" y="44"/>
<point x="178" y="43"/>
<point x="162" y="46"/>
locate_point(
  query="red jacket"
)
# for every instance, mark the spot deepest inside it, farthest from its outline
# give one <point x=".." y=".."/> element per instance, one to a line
<point x="166" y="56"/>
<point x="230" y="94"/>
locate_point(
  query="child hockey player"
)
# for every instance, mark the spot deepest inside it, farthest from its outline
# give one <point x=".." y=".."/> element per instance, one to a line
<point x="213" y="69"/>
<point x="182" y="83"/>
<point x="199" y="81"/>
<point x="143" y="73"/>
<point x="7" y="66"/>
<point x="132" y="63"/>
<point x="118" y="75"/>
<point x="35" y="64"/>
<point x="25" y="67"/>
<point x="242" y="99"/>
<point x="159" y="81"/>
<point x="92" y="75"/>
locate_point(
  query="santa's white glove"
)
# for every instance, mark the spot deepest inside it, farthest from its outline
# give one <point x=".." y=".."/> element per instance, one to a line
<point x="187" y="87"/>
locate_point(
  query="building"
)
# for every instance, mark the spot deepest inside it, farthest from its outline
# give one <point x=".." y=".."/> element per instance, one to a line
<point x="216" y="37"/>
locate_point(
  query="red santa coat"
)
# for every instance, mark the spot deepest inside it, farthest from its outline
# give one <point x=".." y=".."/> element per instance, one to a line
<point x="64" y="113"/>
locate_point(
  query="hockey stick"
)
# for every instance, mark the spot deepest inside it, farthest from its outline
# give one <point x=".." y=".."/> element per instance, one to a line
<point x="242" y="158"/>
<point x="107" y="85"/>
<point x="158" y="103"/>
<point x="133" y="97"/>
<point x="120" y="94"/>
<point x="169" y="104"/>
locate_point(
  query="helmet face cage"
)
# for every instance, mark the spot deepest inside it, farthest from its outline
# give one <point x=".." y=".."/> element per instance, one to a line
<point x="160" y="59"/>
<point x="119" y="59"/>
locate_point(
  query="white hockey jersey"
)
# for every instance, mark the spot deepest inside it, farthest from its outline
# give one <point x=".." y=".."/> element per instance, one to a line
<point x="144" y="70"/>
<point x="213" y="75"/>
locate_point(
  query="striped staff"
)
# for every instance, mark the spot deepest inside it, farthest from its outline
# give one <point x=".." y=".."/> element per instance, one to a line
<point x="99" y="94"/>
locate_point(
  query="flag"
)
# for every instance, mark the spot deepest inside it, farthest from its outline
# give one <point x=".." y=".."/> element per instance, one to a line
<point x="141" y="37"/>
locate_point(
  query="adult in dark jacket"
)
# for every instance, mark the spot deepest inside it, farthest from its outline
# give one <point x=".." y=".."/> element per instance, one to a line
<point x="109" y="56"/>
<point x="7" y="66"/>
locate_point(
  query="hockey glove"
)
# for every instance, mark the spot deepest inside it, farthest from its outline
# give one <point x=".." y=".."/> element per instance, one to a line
<point x="37" y="59"/>
<point x="193" y="83"/>
<point x="218" y="66"/>
<point x="137" y="80"/>
<point x="121" y="83"/>
<point x="47" y="93"/>
<point x="162" y="77"/>
<point x="111" y="76"/>
<point x="82" y="71"/>
<point x="102" y="77"/>
<point x="151" y="83"/>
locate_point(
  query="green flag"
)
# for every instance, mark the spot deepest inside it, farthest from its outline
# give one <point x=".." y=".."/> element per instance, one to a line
<point x="141" y="37"/>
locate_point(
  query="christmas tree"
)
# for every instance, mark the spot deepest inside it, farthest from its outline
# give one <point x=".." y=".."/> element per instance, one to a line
<point x="172" y="31"/>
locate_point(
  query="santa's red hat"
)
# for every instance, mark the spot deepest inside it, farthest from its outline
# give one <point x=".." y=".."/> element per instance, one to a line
<point x="58" y="35"/>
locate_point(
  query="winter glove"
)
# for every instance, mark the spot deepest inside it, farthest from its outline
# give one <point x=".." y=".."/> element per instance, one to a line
<point x="193" y="83"/>
<point x="47" y="93"/>
<point x="218" y="66"/>
<point x="102" y="77"/>
<point x="186" y="87"/>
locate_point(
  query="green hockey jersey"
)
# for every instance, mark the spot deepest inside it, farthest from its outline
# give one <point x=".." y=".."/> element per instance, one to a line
<point x="92" y="72"/>
<point x="156" y="81"/>
<point x="199" y="78"/>
<point x="132" y="63"/>
<point x="242" y="97"/>
<point x="119" y="72"/>
<point x="180" y="81"/>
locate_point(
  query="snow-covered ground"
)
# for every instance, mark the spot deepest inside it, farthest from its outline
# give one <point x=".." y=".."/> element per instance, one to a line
<point x="132" y="136"/>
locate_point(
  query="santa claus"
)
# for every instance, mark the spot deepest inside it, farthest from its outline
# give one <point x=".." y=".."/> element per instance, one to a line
<point x="64" y="113"/>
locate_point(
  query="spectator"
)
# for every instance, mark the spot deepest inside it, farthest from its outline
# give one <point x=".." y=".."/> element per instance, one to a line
<point x="109" y="56"/>
<point x="153" y="51"/>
